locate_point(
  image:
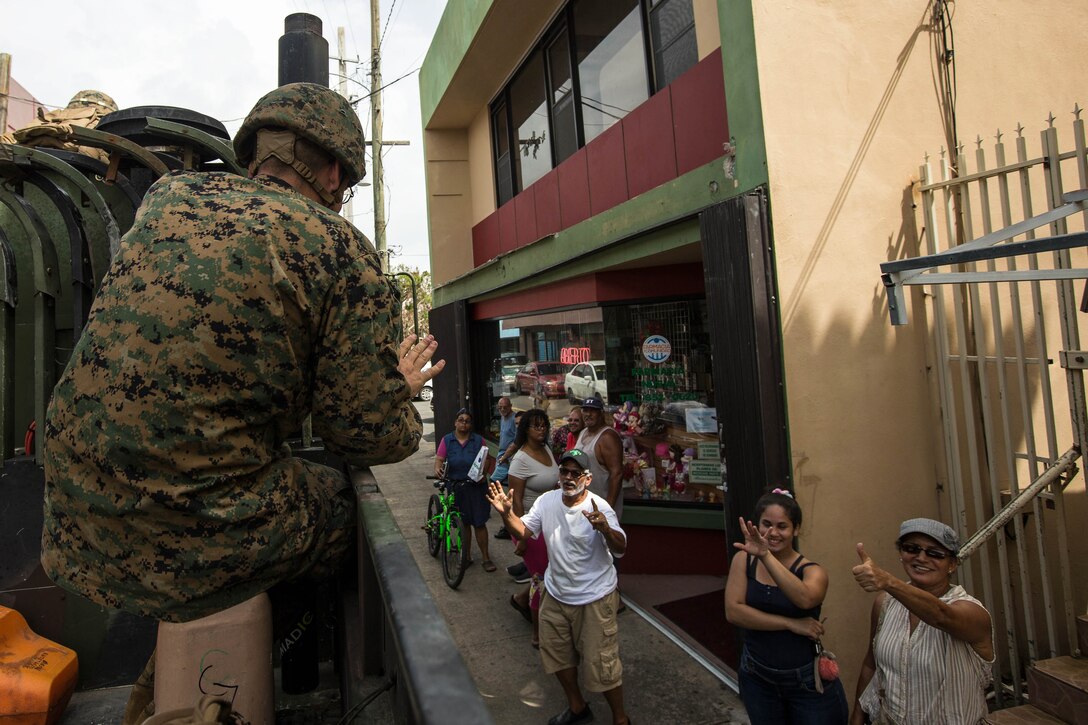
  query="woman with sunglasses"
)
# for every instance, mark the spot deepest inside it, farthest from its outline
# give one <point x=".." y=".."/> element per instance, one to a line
<point x="932" y="643"/>
<point x="775" y="594"/>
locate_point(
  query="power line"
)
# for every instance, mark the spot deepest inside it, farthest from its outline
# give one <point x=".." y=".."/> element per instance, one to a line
<point x="363" y="98"/>
<point x="388" y="15"/>
<point x="351" y="29"/>
<point x="47" y="105"/>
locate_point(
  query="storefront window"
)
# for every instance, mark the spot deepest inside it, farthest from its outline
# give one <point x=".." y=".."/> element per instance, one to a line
<point x="651" y="366"/>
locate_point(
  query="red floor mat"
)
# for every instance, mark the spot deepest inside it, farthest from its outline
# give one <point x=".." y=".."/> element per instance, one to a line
<point x="703" y="618"/>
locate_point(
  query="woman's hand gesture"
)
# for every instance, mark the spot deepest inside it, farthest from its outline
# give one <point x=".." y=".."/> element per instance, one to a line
<point x="754" y="542"/>
<point x="499" y="500"/>
<point x="807" y="627"/>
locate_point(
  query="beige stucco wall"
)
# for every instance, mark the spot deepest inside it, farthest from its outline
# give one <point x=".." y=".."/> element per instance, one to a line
<point x="481" y="168"/>
<point x="849" y="109"/>
<point x="449" y="202"/>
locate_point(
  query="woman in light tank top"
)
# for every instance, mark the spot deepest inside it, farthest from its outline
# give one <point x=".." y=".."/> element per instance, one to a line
<point x="931" y="643"/>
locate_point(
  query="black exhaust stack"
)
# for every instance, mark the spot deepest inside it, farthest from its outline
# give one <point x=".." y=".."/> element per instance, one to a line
<point x="304" y="52"/>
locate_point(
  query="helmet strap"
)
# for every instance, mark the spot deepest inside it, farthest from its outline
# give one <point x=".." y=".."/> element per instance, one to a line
<point x="281" y="145"/>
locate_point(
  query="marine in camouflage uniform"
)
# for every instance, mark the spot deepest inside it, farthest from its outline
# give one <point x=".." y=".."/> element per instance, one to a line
<point x="233" y="308"/>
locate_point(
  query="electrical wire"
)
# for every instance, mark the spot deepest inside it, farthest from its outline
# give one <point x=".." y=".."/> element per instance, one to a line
<point x="363" y="98"/>
<point x="387" y="17"/>
<point x="946" y="75"/>
<point x="36" y="101"/>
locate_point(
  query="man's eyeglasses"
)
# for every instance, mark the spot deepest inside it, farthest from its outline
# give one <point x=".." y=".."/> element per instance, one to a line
<point x="570" y="472"/>
<point x="915" y="549"/>
<point x="464" y="420"/>
<point x="348" y="195"/>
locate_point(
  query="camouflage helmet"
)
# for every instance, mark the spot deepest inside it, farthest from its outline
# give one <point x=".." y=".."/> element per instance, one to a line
<point x="91" y="97"/>
<point x="313" y="112"/>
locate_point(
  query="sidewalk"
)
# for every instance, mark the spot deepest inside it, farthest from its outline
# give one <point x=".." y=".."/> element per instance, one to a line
<point x="661" y="682"/>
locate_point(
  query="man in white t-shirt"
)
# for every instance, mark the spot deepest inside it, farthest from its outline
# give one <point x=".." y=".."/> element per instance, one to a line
<point x="578" y="611"/>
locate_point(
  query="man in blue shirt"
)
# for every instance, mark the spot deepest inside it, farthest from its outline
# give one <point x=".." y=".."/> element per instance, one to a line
<point x="508" y="429"/>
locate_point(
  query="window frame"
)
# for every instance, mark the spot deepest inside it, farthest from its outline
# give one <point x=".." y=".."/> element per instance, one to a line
<point x="561" y="24"/>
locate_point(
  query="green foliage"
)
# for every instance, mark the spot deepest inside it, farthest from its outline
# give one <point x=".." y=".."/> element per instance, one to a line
<point x="422" y="301"/>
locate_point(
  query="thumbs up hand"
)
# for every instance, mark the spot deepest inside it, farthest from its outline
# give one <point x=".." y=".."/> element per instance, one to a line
<point x="867" y="574"/>
<point x="597" y="519"/>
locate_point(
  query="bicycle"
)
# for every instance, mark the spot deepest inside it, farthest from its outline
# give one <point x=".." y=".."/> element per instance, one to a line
<point x="447" y="531"/>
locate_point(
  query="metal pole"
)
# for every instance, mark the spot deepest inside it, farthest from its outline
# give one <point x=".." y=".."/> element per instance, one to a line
<point x="376" y="133"/>
<point x="342" y="66"/>
<point x="5" y="86"/>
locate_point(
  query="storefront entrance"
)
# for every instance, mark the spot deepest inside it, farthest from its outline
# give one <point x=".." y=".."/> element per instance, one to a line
<point x="684" y="352"/>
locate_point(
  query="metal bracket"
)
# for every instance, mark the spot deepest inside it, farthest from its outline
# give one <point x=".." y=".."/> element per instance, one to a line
<point x="1073" y="359"/>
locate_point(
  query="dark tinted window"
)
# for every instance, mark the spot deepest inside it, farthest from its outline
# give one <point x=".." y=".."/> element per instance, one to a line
<point x="552" y="368"/>
<point x="561" y="89"/>
<point x="504" y="179"/>
<point x="672" y="32"/>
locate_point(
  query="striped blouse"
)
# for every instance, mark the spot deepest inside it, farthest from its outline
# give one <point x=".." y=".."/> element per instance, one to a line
<point x="927" y="676"/>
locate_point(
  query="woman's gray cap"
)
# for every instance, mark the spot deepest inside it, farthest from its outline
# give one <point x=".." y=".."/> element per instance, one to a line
<point x="943" y="534"/>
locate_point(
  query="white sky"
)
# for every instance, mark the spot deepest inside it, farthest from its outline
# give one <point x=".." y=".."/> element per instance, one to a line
<point x="218" y="57"/>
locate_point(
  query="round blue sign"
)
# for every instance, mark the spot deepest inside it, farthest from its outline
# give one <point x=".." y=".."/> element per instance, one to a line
<point x="656" y="349"/>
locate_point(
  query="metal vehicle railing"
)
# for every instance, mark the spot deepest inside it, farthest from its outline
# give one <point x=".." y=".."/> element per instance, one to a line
<point x="402" y="633"/>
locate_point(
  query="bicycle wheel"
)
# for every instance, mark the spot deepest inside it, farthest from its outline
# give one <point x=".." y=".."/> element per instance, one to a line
<point x="433" y="524"/>
<point x="455" y="551"/>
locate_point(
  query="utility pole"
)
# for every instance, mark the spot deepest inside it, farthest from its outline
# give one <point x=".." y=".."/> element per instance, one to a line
<point x="376" y="133"/>
<point x="342" y="67"/>
<point x="5" y="86"/>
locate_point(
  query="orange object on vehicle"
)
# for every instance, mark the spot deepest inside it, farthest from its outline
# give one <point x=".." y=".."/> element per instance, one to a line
<point x="37" y="676"/>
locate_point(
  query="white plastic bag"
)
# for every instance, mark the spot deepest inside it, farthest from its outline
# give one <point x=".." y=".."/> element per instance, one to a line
<point x="476" y="472"/>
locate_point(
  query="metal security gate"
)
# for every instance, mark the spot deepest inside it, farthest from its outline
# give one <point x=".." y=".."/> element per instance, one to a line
<point x="1005" y="321"/>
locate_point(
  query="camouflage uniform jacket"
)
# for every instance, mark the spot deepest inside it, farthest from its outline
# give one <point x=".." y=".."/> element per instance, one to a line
<point x="233" y="308"/>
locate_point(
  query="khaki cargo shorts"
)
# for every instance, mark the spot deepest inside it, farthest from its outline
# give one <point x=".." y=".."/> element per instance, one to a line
<point x="585" y="633"/>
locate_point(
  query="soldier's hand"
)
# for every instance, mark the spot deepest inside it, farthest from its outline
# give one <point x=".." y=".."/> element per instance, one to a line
<point x="415" y="353"/>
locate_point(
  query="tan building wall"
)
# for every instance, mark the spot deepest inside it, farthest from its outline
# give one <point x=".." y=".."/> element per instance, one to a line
<point x="481" y="167"/>
<point x="449" y="202"/>
<point x="849" y="110"/>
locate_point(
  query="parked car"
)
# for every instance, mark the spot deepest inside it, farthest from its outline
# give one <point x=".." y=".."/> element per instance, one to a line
<point x="510" y="376"/>
<point x="548" y="377"/>
<point x="427" y="391"/>
<point x="587" y="380"/>
<point x="513" y="358"/>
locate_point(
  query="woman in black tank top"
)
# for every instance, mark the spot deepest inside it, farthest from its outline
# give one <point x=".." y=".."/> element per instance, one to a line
<point x="775" y="595"/>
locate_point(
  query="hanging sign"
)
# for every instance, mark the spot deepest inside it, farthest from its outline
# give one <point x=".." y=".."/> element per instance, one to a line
<point x="656" y="348"/>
